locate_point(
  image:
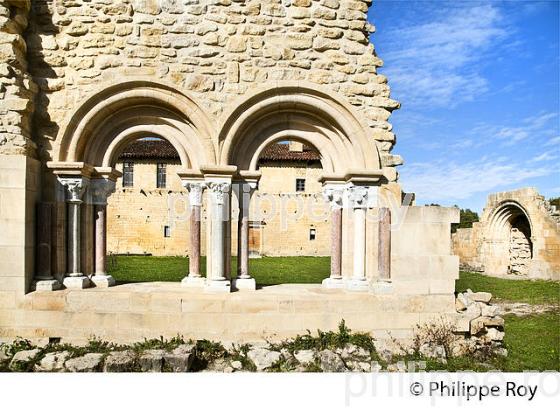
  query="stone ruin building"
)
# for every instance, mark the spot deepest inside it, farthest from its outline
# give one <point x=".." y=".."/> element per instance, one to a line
<point x="518" y="236"/>
<point x="220" y="80"/>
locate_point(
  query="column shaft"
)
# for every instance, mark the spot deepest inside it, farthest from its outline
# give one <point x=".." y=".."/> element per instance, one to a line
<point x="336" y="243"/>
<point x="194" y="257"/>
<point x="243" y="238"/>
<point x="101" y="239"/>
<point x="74" y="238"/>
<point x="359" y="244"/>
<point x="384" y="244"/>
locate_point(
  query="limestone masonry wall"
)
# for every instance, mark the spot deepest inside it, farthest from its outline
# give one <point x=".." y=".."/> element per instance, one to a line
<point x="214" y="49"/>
<point x="518" y="236"/>
<point x="17" y="89"/>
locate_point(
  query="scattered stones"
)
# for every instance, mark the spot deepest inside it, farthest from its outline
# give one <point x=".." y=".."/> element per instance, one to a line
<point x="23" y="359"/>
<point x="180" y="359"/>
<point x="483" y="297"/>
<point x="52" y="362"/>
<point x="263" y="358"/>
<point x="152" y="360"/>
<point x="330" y="362"/>
<point x="305" y="357"/>
<point x="119" y="362"/>
<point x="89" y="363"/>
<point x="236" y="365"/>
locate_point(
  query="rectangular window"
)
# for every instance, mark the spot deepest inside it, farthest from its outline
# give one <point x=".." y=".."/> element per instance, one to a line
<point x="161" y="175"/>
<point x="128" y="174"/>
<point x="312" y="234"/>
<point x="167" y="232"/>
<point x="300" y="185"/>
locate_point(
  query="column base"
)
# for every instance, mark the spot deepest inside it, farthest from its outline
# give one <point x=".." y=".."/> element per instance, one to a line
<point x="358" y="285"/>
<point x="217" y="286"/>
<point x="103" y="281"/>
<point x="382" y="287"/>
<point x="47" y="285"/>
<point x="193" y="282"/>
<point x="244" y="284"/>
<point x="76" y="282"/>
<point x="334" y="283"/>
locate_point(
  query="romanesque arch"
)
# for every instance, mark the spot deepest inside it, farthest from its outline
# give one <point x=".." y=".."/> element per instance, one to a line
<point x="307" y="113"/>
<point x="96" y="131"/>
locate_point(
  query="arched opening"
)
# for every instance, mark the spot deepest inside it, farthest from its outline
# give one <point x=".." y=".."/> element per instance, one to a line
<point x="147" y="222"/>
<point x="289" y="225"/>
<point x="511" y="235"/>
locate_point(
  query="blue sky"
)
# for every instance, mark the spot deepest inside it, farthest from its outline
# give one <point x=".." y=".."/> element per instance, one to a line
<point x="479" y="87"/>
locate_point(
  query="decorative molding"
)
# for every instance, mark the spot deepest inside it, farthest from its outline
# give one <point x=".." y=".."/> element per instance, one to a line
<point x="362" y="197"/>
<point x="195" y="191"/>
<point x="334" y="195"/>
<point x="100" y="190"/>
<point x="75" y="188"/>
<point x="219" y="191"/>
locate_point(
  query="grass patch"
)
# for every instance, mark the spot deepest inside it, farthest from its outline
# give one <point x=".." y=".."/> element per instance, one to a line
<point x="533" y="342"/>
<point x="526" y="291"/>
<point x="266" y="271"/>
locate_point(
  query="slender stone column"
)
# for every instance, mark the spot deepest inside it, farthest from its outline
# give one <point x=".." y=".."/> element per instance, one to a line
<point x="244" y="281"/>
<point x="359" y="203"/>
<point x="334" y="196"/>
<point x="75" y="188"/>
<point x="44" y="278"/>
<point x="101" y="189"/>
<point x="384" y="244"/>
<point x="216" y="277"/>
<point x="194" y="279"/>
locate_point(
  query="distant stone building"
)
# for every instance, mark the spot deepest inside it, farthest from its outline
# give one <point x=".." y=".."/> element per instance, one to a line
<point x="518" y="235"/>
<point x="146" y="214"/>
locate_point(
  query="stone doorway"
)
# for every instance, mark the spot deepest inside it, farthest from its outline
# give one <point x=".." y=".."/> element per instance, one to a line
<point x="521" y="248"/>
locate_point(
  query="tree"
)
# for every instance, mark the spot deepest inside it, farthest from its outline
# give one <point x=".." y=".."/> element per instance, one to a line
<point x="555" y="202"/>
<point x="466" y="219"/>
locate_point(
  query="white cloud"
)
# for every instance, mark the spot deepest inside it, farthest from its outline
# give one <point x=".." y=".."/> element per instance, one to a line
<point x="530" y="127"/>
<point x="545" y="156"/>
<point x="444" y="182"/>
<point x="437" y="62"/>
<point x="553" y="141"/>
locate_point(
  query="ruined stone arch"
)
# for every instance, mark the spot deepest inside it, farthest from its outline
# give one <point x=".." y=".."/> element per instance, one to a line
<point x="504" y="215"/>
<point x="99" y="128"/>
<point x="293" y="111"/>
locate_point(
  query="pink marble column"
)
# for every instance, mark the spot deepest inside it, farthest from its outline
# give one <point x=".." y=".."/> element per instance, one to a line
<point x="336" y="243"/>
<point x="244" y="279"/>
<point x="101" y="240"/>
<point x="194" y="254"/>
<point x="384" y="244"/>
<point x="43" y="276"/>
<point x="333" y="194"/>
<point x="195" y="188"/>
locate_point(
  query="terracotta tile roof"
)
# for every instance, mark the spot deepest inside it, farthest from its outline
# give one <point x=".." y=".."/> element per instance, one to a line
<point x="281" y="152"/>
<point x="161" y="149"/>
<point x="149" y="149"/>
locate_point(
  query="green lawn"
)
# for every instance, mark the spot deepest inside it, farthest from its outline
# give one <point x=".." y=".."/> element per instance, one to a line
<point x="533" y="342"/>
<point x="266" y="271"/>
<point x="527" y="291"/>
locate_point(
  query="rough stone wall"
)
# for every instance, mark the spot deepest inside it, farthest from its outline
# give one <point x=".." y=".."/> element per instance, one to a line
<point x="214" y="49"/>
<point x="137" y="215"/>
<point x="17" y="89"/>
<point x="499" y="248"/>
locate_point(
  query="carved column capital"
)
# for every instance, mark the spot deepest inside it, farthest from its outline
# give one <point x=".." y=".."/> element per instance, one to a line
<point x="219" y="191"/>
<point x="100" y="190"/>
<point x="334" y="195"/>
<point x="75" y="188"/>
<point x="362" y="197"/>
<point x="195" y="192"/>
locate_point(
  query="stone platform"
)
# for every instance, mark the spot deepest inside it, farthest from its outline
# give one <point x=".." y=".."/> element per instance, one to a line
<point x="131" y="312"/>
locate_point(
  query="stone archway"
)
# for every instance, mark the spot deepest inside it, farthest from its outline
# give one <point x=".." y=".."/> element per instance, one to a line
<point x="84" y="156"/>
<point x="510" y="234"/>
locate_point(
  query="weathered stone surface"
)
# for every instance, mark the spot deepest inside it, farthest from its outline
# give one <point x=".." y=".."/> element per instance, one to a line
<point x="263" y="358"/>
<point x="120" y="362"/>
<point x="305" y="357"/>
<point x="52" y="362"/>
<point x="89" y="363"/>
<point x="330" y="362"/>
<point x="152" y="360"/>
<point x="23" y="359"/>
<point x="180" y="359"/>
<point x="484" y="297"/>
